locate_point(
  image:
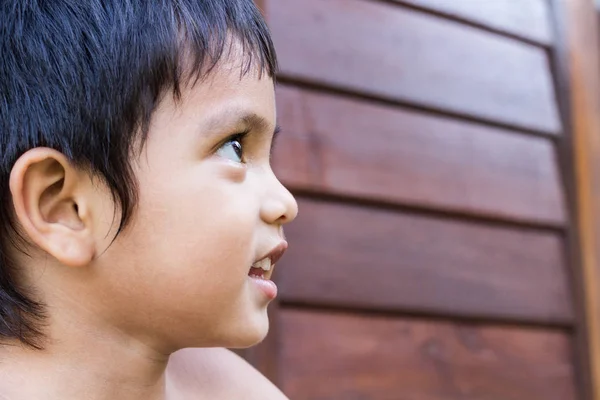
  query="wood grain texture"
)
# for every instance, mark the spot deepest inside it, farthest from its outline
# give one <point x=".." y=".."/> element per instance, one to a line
<point x="332" y="356"/>
<point x="529" y="19"/>
<point x="583" y="63"/>
<point x="357" y="257"/>
<point x="350" y="147"/>
<point x="401" y="55"/>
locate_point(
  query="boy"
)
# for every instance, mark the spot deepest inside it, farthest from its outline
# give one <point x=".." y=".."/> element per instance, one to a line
<point x="139" y="215"/>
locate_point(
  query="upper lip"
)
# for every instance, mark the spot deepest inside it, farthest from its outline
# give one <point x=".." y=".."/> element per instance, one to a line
<point x="276" y="253"/>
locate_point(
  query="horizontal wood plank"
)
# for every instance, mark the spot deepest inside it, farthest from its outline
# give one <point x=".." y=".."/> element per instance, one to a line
<point x="529" y="19"/>
<point x="332" y="356"/>
<point x="350" y="147"/>
<point x="358" y="257"/>
<point x="402" y="55"/>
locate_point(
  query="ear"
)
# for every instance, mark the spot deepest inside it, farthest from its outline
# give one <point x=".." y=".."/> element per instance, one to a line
<point x="52" y="205"/>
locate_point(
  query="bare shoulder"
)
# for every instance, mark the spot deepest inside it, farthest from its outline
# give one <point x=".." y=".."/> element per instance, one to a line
<point x="218" y="373"/>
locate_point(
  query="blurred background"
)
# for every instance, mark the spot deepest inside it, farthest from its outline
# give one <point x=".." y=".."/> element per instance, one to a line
<point x="439" y="251"/>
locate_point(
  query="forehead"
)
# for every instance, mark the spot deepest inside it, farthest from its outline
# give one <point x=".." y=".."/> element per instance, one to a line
<point x="234" y="83"/>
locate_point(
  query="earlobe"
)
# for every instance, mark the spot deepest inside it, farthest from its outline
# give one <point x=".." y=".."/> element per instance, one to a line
<point x="52" y="205"/>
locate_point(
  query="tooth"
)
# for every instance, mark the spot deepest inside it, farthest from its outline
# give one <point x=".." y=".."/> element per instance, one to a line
<point x="265" y="264"/>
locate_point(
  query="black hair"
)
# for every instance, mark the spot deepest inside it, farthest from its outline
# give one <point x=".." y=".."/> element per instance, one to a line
<point x="83" y="77"/>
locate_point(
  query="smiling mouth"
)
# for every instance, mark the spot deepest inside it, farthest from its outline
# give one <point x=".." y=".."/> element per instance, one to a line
<point x="261" y="269"/>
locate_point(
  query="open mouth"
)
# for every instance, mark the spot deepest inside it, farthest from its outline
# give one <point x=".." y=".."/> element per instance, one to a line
<point x="261" y="269"/>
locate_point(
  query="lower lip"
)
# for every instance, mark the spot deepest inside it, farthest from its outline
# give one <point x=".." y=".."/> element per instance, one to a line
<point x="266" y="286"/>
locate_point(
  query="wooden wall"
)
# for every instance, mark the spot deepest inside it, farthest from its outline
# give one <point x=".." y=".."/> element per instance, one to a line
<point x="430" y="259"/>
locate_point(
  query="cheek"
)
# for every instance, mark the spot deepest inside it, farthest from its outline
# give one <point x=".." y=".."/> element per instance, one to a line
<point x="197" y="234"/>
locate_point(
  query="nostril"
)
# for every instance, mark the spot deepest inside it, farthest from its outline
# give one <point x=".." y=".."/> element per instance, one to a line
<point x="274" y="211"/>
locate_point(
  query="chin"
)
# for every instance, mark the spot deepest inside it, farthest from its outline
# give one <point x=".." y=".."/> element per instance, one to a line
<point x="249" y="334"/>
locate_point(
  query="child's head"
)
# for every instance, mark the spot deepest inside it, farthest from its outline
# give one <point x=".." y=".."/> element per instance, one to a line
<point x="135" y="184"/>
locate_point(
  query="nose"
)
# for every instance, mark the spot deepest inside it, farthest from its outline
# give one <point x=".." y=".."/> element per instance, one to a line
<point x="279" y="205"/>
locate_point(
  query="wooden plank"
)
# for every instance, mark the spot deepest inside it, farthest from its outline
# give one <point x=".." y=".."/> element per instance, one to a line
<point x="583" y="64"/>
<point x="358" y="257"/>
<point x="401" y="55"/>
<point x="529" y="19"/>
<point x="335" y="356"/>
<point x="349" y="147"/>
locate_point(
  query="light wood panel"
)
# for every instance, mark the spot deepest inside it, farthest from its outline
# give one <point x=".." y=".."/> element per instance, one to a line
<point x="582" y="52"/>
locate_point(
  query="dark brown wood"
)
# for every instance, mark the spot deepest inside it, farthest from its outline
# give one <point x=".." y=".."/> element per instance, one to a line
<point x="353" y="148"/>
<point x="528" y="19"/>
<point x="336" y="356"/>
<point x="397" y="54"/>
<point x="356" y="257"/>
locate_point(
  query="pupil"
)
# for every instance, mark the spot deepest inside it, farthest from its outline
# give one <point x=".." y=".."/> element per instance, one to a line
<point x="237" y="147"/>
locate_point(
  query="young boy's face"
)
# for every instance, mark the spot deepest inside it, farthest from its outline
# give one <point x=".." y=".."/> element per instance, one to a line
<point x="209" y="208"/>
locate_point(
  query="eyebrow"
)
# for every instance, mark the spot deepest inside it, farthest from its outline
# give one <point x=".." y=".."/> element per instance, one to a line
<point x="252" y="120"/>
<point x="255" y="121"/>
<point x="232" y="117"/>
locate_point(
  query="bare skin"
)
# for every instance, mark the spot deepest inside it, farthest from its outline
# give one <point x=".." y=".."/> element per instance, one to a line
<point x="209" y="371"/>
<point x="124" y="317"/>
<point x="191" y="374"/>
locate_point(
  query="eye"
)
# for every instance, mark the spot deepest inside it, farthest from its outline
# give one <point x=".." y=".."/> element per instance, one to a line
<point x="232" y="149"/>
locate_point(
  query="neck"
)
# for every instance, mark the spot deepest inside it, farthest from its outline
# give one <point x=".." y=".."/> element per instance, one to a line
<point x="83" y="359"/>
